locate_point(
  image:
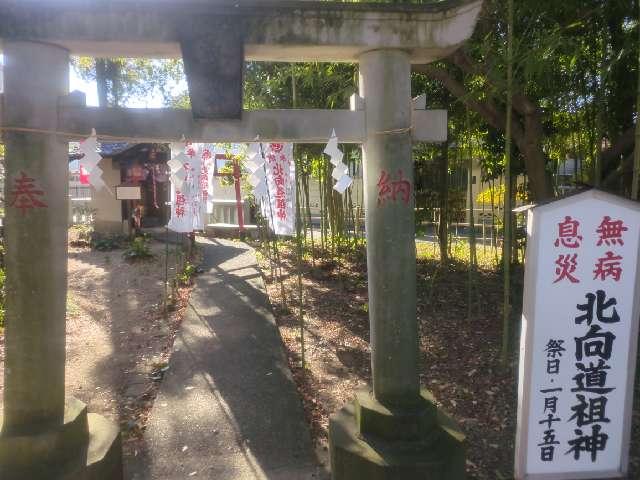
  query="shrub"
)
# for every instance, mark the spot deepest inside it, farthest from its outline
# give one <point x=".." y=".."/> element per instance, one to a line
<point x="81" y="235"/>
<point x="106" y="243"/>
<point x="188" y="272"/>
<point x="138" y="249"/>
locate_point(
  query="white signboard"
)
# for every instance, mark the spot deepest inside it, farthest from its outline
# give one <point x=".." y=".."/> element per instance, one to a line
<point x="579" y="338"/>
<point x="128" y="193"/>
<point x="280" y="208"/>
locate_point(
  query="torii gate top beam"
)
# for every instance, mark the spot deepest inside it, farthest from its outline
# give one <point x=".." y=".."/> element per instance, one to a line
<point x="288" y="31"/>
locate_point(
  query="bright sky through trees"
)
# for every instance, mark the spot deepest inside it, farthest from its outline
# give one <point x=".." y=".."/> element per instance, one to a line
<point x="91" y="90"/>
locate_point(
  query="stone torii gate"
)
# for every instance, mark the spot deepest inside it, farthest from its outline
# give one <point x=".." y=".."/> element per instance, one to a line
<point x="392" y="431"/>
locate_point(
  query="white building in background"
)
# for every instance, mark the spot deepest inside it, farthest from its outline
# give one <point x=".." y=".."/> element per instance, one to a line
<point x="569" y="175"/>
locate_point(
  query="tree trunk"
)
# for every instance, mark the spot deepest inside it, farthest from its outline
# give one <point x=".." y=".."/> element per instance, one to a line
<point x="101" y="81"/>
<point x="535" y="160"/>
<point x="526" y="127"/>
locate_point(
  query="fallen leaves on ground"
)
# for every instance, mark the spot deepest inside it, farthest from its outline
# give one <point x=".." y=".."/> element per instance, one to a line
<point x="459" y="347"/>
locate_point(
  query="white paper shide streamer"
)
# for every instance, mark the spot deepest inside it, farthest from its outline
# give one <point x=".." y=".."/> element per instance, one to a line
<point x="90" y="160"/>
<point x="257" y="176"/>
<point x="340" y="171"/>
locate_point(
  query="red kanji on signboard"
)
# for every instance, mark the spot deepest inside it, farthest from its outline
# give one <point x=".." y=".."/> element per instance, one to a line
<point x="565" y="268"/>
<point x="608" y="266"/>
<point x="25" y="194"/>
<point x="568" y="235"/>
<point x="610" y="232"/>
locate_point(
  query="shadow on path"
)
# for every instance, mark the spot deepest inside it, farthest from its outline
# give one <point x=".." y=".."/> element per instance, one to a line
<point x="228" y="407"/>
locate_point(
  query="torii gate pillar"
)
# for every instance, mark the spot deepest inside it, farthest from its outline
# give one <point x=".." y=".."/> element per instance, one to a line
<point x="395" y="431"/>
<point x="43" y="435"/>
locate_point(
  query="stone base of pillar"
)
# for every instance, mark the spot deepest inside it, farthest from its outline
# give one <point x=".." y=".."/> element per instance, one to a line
<point x="85" y="447"/>
<point x="370" y="440"/>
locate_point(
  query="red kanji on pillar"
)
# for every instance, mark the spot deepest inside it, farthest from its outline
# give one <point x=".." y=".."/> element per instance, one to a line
<point x="389" y="189"/>
<point x="25" y="194"/>
<point x="566" y="266"/>
<point x="608" y="266"/>
<point x="568" y="235"/>
<point x="610" y="232"/>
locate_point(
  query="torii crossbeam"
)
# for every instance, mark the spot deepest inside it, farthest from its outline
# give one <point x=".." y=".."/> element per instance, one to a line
<point x="392" y="432"/>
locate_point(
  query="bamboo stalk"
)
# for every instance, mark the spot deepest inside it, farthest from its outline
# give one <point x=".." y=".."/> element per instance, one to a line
<point x="506" y="244"/>
<point x="472" y="226"/>
<point x="636" y="150"/>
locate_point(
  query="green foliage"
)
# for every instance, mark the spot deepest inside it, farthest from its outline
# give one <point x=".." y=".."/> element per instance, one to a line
<point x="106" y="243"/>
<point x="318" y="85"/>
<point x="496" y="194"/>
<point x="138" y="249"/>
<point x="575" y="69"/>
<point x="459" y="253"/>
<point x="81" y="235"/>
<point x="185" y="277"/>
<point x="121" y="79"/>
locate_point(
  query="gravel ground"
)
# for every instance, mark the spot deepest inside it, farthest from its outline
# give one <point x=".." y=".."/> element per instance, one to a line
<point x="118" y="339"/>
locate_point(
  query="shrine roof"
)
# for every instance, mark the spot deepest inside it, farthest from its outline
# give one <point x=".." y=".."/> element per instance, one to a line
<point x="109" y="149"/>
<point x="274" y="30"/>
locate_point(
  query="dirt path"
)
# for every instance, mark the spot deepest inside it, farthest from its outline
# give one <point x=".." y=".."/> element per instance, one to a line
<point x="118" y="339"/>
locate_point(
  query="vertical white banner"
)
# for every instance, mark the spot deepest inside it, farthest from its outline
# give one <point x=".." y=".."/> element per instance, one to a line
<point x="191" y="167"/>
<point x="280" y="207"/>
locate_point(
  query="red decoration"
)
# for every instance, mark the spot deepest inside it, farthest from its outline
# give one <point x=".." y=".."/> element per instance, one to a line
<point x="84" y="176"/>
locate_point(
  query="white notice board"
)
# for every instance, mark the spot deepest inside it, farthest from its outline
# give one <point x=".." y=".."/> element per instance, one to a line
<point x="579" y="338"/>
<point x="128" y="193"/>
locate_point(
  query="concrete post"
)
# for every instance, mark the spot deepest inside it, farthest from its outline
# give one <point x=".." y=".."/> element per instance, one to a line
<point x="36" y="75"/>
<point x="42" y="436"/>
<point x="385" y="85"/>
<point x="395" y="432"/>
